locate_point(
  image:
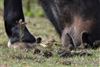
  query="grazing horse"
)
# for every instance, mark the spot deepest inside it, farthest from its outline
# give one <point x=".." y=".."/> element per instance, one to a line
<point x="76" y="21"/>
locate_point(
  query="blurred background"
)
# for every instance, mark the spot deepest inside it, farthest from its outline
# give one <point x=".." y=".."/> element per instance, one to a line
<point x="31" y="8"/>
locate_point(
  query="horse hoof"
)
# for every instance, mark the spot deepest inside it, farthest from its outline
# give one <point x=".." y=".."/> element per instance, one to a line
<point x="21" y="45"/>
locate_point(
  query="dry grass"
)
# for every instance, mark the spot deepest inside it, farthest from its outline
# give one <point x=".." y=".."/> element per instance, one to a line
<point x="40" y="27"/>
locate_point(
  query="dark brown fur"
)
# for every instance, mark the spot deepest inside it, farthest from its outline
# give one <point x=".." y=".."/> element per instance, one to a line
<point x="77" y="21"/>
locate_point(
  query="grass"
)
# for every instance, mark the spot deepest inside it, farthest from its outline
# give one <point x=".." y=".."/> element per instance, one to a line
<point x="41" y="27"/>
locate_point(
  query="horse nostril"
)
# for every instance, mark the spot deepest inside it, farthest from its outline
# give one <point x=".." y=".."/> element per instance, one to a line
<point x="71" y="41"/>
<point x="85" y="36"/>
